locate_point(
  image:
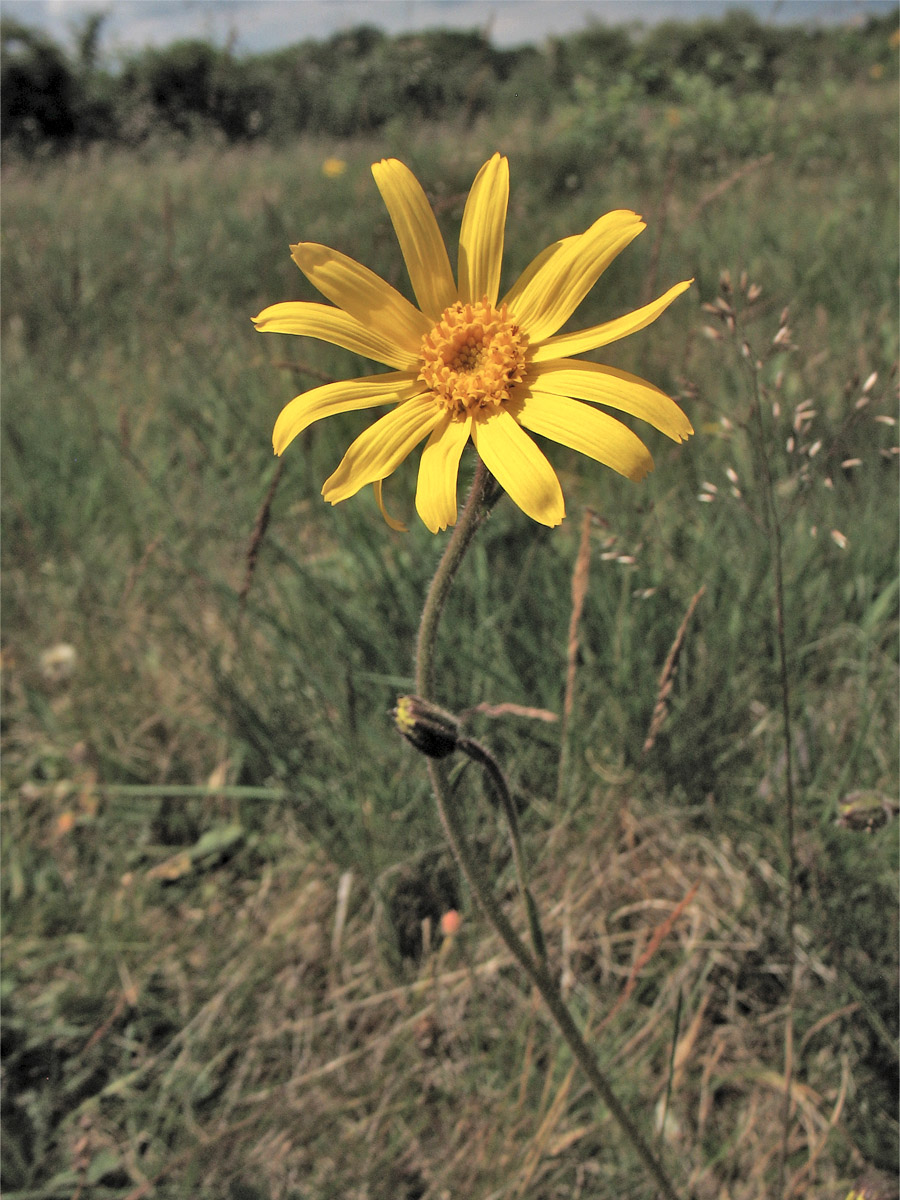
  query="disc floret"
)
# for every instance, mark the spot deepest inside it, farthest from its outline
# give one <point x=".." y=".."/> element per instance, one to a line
<point x="473" y="357"/>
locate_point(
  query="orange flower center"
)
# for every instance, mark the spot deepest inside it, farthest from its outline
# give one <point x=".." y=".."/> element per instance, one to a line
<point x="473" y="356"/>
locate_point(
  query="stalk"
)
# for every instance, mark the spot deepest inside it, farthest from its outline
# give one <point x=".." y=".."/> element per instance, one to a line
<point x="483" y="494"/>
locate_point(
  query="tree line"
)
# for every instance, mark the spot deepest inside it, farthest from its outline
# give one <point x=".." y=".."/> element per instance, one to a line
<point x="357" y="81"/>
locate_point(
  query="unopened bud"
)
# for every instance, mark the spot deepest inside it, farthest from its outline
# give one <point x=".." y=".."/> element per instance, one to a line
<point x="430" y="729"/>
<point x="450" y="923"/>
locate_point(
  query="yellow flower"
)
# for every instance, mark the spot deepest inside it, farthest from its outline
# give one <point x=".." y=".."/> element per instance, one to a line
<point x="333" y="167"/>
<point x="467" y="364"/>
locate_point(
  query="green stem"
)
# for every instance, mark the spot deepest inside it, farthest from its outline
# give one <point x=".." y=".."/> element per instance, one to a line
<point x="478" y="504"/>
<point x="451" y="819"/>
<point x="484" y="758"/>
<point x="480" y="498"/>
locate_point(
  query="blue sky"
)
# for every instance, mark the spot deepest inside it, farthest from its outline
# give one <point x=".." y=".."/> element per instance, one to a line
<point x="267" y="24"/>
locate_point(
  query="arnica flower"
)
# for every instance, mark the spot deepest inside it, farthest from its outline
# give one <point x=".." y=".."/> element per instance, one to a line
<point x="468" y="364"/>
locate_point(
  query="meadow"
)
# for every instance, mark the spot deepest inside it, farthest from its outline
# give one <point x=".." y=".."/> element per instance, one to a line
<point x="223" y="876"/>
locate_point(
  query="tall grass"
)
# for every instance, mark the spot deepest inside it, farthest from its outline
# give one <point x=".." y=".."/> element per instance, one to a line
<point x="243" y="992"/>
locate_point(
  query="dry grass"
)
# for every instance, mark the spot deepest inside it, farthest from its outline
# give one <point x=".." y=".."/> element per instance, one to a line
<point x="296" y="1070"/>
<point x="233" y="982"/>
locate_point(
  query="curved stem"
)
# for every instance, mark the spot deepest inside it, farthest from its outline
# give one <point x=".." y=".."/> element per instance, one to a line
<point x="497" y="779"/>
<point x="539" y="976"/>
<point x="481" y="496"/>
<point x="474" y="511"/>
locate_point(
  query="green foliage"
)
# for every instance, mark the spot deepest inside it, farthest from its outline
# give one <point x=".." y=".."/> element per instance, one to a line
<point x="183" y="1001"/>
<point x="188" y="85"/>
<point x="361" y="80"/>
<point x="37" y="87"/>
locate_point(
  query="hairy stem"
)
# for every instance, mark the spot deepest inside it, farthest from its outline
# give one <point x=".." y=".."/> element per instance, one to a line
<point x="474" y="511"/>
<point x="451" y="819"/>
<point x="479" y="754"/>
<point x="484" y="492"/>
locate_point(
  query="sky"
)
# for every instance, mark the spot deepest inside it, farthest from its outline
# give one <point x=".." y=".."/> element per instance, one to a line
<point x="258" y="25"/>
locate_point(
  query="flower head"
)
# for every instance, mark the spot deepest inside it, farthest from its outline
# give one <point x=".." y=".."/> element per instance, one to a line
<point x="430" y="729"/>
<point x="468" y="364"/>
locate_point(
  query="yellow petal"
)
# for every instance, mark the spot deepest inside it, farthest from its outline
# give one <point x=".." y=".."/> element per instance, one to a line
<point x="481" y="234"/>
<point x="420" y="238"/>
<point x="397" y="526"/>
<point x="335" y="326"/>
<point x="583" y="340"/>
<point x="519" y="467"/>
<point x="380" y="449"/>
<point x="536" y="264"/>
<point x="347" y="395"/>
<point x="362" y="294"/>
<point x="587" y="430"/>
<point x="558" y="287"/>
<point x="438" y="472"/>
<point x="607" y="385"/>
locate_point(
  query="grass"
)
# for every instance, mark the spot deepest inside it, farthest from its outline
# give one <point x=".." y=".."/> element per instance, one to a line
<point x="243" y="991"/>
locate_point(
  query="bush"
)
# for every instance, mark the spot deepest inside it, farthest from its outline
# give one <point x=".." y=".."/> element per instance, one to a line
<point x="37" y="87"/>
<point x="360" y="80"/>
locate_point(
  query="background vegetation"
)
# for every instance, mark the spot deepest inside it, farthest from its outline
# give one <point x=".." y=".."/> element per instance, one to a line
<point x="223" y="877"/>
<point x="359" y="81"/>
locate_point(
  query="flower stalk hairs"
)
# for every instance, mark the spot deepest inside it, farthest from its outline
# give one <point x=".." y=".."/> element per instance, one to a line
<point x="468" y="365"/>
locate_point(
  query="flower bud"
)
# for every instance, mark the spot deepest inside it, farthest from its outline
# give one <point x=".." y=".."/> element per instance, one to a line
<point x="450" y="923"/>
<point x="430" y="729"/>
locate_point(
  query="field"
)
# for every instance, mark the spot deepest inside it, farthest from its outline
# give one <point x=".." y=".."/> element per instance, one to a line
<point x="223" y="874"/>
